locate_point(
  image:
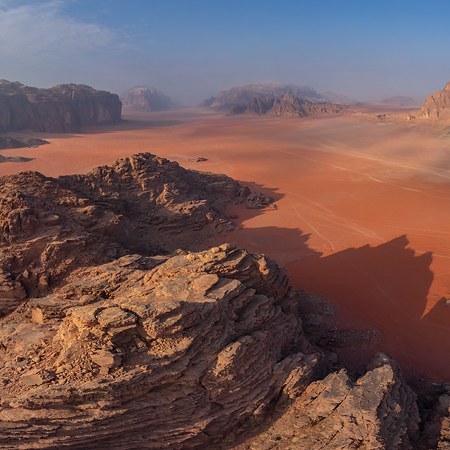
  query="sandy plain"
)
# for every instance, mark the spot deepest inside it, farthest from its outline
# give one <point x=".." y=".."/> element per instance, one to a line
<point x="362" y="218"/>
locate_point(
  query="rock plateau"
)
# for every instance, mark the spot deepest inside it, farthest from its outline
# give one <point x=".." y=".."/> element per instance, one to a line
<point x="62" y="108"/>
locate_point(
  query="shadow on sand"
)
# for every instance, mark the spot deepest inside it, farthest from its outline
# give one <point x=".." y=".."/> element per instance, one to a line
<point x="383" y="288"/>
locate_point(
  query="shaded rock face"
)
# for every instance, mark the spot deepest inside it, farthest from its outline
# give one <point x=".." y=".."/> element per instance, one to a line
<point x="144" y="98"/>
<point x="113" y="337"/>
<point x="288" y="105"/>
<point x="62" y="108"/>
<point x="376" y="411"/>
<point x="437" y="105"/>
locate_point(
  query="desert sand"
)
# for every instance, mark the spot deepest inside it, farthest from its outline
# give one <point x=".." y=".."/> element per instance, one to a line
<point x="363" y="209"/>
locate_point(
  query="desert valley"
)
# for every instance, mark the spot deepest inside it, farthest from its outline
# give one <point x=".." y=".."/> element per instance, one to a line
<point x="131" y="312"/>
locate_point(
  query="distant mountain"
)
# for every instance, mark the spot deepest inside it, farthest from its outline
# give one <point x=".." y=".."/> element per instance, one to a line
<point x="399" y="100"/>
<point x="288" y="105"/>
<point x="258" y="96"/>
<point x="437" y="105"/>
<point x="145" y="98"/>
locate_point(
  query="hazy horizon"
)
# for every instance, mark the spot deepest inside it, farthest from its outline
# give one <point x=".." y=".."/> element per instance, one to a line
<point x="194" y="49"/>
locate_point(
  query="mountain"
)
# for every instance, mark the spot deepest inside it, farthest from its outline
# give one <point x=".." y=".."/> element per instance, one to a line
<point x="437" y="105"/>
<point x="241" y="97"/>
<point x="62" y="108"/>
<point x="289" y="105"/>
<point x="145" y="98"/>
<point x="115" y="332"/>
<point x="400" y="101"/>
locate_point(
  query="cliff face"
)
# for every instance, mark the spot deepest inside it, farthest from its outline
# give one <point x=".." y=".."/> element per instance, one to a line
<point x="437" y="105"/>
<point x="145" y="98"/>
<point x="63" y="108"/>
<point x="111" y="336"/>
<point x="288" y="105"/>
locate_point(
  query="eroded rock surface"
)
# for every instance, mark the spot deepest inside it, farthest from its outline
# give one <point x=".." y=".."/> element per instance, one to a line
<point x="62" y="108"/>
<point x="144" y="204"/>
<point x="140" y="353"/>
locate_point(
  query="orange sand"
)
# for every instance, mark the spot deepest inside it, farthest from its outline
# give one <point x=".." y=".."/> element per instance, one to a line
<point x="363" y="209"/>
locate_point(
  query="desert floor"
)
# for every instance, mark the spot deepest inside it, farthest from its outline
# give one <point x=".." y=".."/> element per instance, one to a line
<point x="363" y="214"/>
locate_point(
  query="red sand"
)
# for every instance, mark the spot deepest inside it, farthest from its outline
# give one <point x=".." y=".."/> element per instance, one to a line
<point x="363" y="209"/>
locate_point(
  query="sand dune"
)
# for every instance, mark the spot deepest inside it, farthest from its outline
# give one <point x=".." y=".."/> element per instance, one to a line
<point x="363" y="209"/>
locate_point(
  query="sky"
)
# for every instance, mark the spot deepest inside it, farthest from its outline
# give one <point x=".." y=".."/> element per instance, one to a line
<point x="191" y="49"/>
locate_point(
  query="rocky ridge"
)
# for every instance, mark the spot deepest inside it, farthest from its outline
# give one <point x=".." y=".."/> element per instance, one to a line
<point x="113" y="337"/>
<point x="275" y="98"/>
<point x="288" y="105"/>
<point x="62" y="108"/>
<point x="145" y="98"/>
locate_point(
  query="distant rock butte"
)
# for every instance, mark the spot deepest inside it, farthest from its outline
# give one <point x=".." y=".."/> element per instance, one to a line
<point x="145" y="98"/>
<point x="437" y="106"/>
<point x="62" y="108"/>
<point x="274" y="98"/>
<point x="288" y="105"/>
<point x="113" y="336"/>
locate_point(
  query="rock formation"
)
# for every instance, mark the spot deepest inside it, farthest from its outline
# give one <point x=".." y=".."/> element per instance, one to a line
<point x="288" y="105"/>
<point x="62" y="108"/>
<point x="261" y="98"/>
<point x="144" y="98"/>
<point x="437" y="106"/>
<point x="118" y="331"/>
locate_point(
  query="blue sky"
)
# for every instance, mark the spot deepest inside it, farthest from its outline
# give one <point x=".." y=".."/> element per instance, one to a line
<point x="192" y="48"/>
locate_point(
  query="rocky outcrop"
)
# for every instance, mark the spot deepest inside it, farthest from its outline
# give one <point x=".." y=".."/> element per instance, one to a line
<point x="10" y="142"/>
<point x="144" y="98"/>
<point x="62" y="108"/>
<point x="288" y="105"/>
<point x="141" y="353"/>
<point x="437" y="106"/>
<point x="142" y="204"/>
<point x="376" y="411"/>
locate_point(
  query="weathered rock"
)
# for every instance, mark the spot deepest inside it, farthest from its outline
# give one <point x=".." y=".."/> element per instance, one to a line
<point x="212" y="340"/>
<point x="377" y="411"/>
<point x="141" y="204"/>
<point x="62" y="108"/>
<point x="437" y="106"/>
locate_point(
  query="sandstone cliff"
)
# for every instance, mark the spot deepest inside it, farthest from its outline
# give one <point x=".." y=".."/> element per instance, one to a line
<point x="144" y="98"/>
<point x="437" y="105"/>
<point x="113" y="337"/>
<point x="62" y="108"/>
